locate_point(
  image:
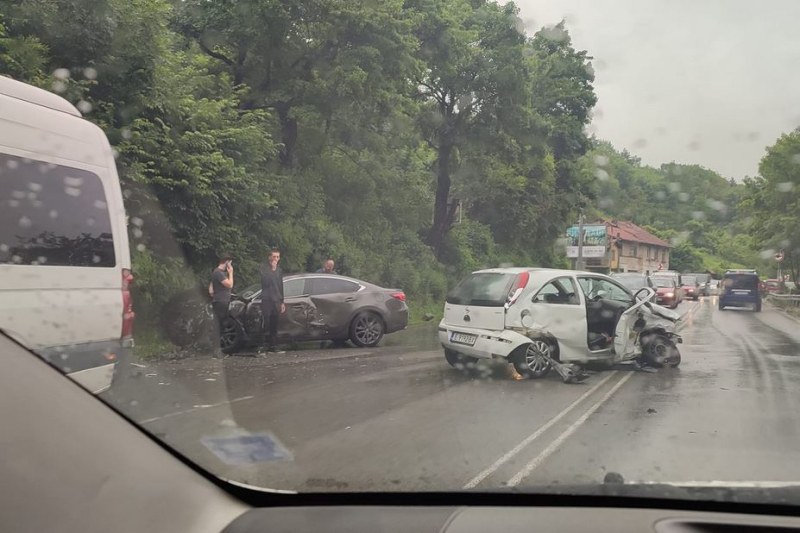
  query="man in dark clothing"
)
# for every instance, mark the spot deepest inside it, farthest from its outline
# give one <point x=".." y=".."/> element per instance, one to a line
<point x="220" y="289"/>
<point x="328" y="267"/>
<point x="272" y="305"/>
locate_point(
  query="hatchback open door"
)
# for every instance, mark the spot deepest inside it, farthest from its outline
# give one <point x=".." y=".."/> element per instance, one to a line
<point x="624" y="335"/>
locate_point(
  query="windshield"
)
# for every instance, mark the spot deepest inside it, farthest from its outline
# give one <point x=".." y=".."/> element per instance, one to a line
<point x="663" y="282"/>
<point x="632" y="282"/>
<point x="430" y="198"/>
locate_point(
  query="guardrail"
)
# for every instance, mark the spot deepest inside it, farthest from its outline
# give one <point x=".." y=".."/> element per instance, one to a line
<point x="784" y="300"/>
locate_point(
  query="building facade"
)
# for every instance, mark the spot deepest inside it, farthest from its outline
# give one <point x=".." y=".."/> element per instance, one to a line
<point x="628" y="248"/>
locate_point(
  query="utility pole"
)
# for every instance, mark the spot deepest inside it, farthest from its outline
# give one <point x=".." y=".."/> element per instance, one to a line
<point x="579" y="262"/>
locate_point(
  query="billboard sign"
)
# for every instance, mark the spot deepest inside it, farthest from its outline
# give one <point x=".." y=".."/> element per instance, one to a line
<point x="595" y="241"/>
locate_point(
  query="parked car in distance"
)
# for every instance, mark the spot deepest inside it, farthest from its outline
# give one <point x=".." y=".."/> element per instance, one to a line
<point x="771" y="286"/>
<point x="633" y="280"/>
<point x="740" y="288"/>
<point x="668" y="293"/>
<point x="691" y="287"/>
<point x="319" y="307"/>
<point x="704" y="280"/>
<point x="713" y="286"/>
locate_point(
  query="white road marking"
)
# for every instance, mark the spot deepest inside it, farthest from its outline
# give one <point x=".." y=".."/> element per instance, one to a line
<point x="539" y="459"/>
<point x="533" y="436"/>
<point x="195" y="408"/>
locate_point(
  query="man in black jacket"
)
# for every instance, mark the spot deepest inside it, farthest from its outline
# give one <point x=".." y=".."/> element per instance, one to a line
<point x="272" y="305"/>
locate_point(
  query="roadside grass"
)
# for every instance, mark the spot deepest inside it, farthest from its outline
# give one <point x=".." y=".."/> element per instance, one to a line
<point x="424" y="312"/>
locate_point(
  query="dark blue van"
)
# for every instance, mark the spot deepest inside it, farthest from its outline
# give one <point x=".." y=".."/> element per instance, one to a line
<point x="740" y="288"/>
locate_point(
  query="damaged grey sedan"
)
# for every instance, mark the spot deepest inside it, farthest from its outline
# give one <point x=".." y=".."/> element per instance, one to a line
<point x="319" y="307"/>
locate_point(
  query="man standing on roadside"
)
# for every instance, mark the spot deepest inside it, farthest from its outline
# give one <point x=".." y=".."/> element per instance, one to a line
<point x="272" y="305"/>
<point x="327" y="267"/>
<point x="220" y="291"/>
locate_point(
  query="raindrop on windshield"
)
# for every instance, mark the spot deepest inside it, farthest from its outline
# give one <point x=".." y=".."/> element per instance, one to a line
<point x="61" y="73"/>
<point x="601" y="174"/>
<point x="660" y="195"/>
<point x="683" y="197"/>
<point x="796" y="159"/>
<point x="767" y="254"/>
<point x="72" y="191"/>
<point x="59" y="86"/>
<point x="554" y="33"/>
<point x="25" y="222"/>
<point x="786" y="186"/>
<point x="600" y="160"/>
<point x="141" y="247"/>
<point x="84" y="106"/>
<point x="90" y="73"/>
<point x="640" y="143"/>
<point x="698" y="215"/>
<point x="674" y="186"/>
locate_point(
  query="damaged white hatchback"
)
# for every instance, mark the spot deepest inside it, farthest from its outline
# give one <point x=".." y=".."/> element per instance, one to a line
<point x="540" y="319"/>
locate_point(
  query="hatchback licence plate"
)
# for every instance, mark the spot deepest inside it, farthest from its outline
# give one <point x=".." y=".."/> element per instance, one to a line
<point x="463" y="338"/>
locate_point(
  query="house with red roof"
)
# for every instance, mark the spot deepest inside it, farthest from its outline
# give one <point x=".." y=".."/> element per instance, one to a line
<point x="622" y="247"/>
<point x="634" y="249"/>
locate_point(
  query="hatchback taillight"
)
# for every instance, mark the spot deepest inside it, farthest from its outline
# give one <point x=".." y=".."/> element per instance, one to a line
<point x="127" y="305"/>
<point x="519" y="285"/>
<point x="399" y="296"/>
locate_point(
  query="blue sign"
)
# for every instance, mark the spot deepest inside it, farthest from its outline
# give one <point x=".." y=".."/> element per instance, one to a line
<point x="247" y="449"/>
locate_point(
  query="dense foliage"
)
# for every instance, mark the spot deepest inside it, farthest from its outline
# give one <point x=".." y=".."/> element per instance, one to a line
<point x="410" y="140"/>
<point x="698" y="211"/>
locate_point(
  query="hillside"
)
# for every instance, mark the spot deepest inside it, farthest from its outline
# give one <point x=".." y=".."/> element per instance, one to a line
<point x="694" y="208"/>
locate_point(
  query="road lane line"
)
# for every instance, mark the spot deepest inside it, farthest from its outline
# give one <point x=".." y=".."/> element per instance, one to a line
<point x="533" y="436"/>
<point x="536" y="461"/>
<point x="196" y="408"/>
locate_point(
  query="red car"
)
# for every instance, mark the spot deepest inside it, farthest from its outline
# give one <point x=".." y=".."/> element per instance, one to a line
<point x="691" y="287"/>
<point x="771" y="285"/>
<point x="668" y="293"/>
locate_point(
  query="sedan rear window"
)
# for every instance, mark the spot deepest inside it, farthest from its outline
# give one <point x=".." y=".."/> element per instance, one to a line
<point x="486" y="289"/>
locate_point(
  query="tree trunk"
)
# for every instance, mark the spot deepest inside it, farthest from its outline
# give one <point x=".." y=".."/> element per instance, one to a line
<point x="443" y="209"/>
<point x="288" y="135"/>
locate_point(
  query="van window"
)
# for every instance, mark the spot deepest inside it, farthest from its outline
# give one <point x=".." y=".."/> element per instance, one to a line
<point x="52" y="215"/>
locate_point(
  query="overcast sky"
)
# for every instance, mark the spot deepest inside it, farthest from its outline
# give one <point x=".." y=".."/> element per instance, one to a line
<point x="712" y="82"/>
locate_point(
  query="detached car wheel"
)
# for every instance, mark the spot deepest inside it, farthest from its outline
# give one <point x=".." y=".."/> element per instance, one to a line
<point x="366" y="330"/>
<point x="661" y="352"/>
<point x="531" y="360"/>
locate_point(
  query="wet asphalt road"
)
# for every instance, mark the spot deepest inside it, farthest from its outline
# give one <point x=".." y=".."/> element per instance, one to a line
<point x="398" y="417"/>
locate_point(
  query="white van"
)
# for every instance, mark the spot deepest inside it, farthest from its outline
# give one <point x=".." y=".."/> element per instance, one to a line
<point x="64" y="256"/>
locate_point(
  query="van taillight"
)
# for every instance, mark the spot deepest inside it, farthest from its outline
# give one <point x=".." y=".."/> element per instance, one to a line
<point x="519" y="285"/>
<point x="127" y="305"/>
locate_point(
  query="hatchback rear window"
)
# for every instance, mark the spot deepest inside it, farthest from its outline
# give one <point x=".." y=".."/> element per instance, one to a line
<point x="486" y="289"/>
